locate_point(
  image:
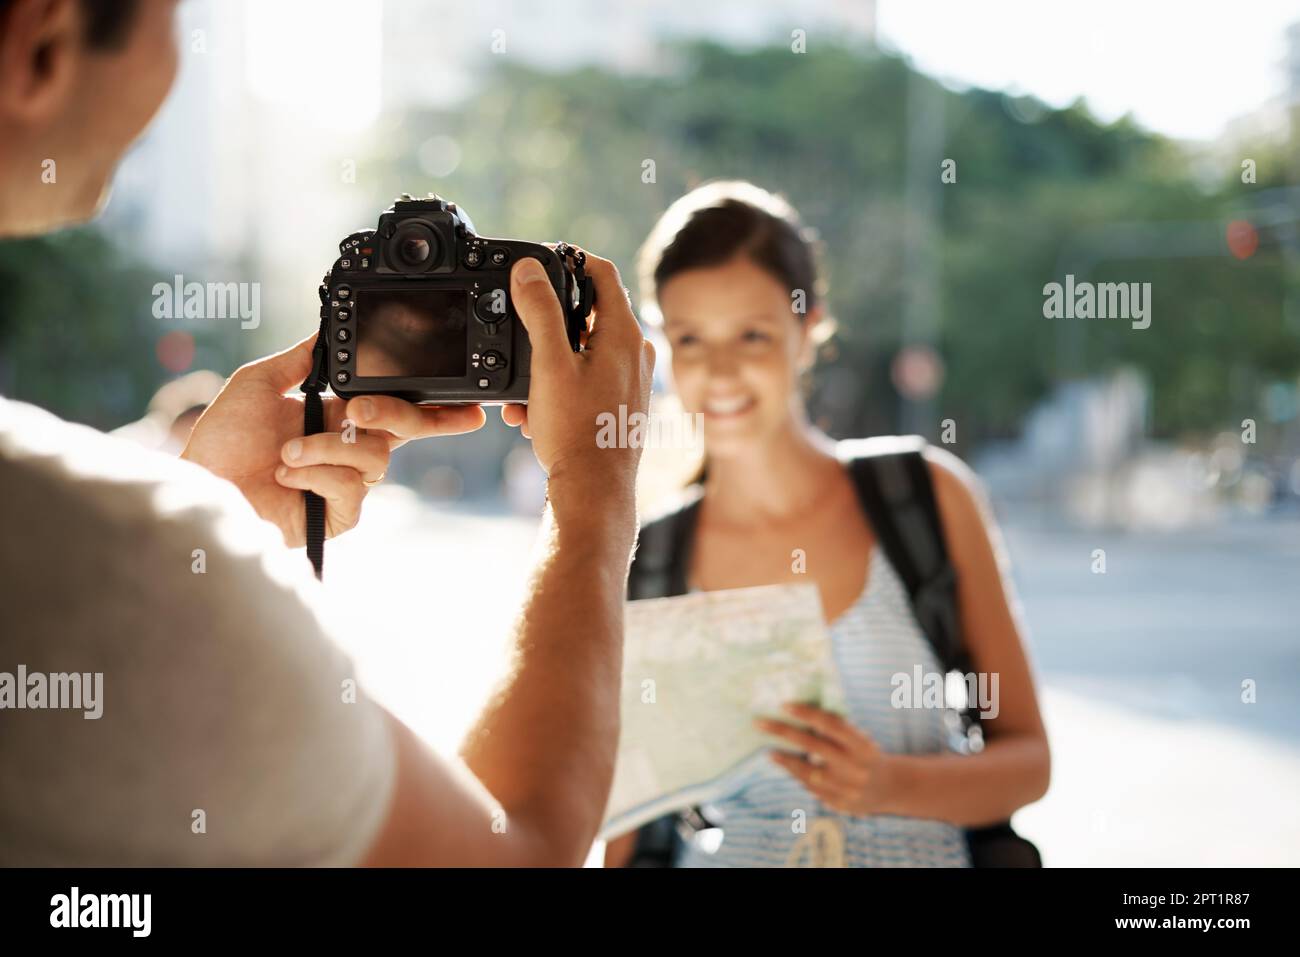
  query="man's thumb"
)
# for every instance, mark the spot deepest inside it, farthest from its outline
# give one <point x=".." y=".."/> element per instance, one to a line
<point x="539" y="310"/>
<point x="284" y="370"/>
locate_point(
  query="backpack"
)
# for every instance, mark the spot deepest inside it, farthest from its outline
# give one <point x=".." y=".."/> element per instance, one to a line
<point x="894" y="488"/>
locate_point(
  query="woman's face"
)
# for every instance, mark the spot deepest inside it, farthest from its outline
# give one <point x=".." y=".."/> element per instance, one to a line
<point x="737" y="351"/>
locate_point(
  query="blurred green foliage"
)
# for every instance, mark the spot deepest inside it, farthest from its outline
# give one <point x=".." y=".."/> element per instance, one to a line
<point x="71" y="334"/>
<point x="77" y="332"/>
<point x="1039" y="192"/>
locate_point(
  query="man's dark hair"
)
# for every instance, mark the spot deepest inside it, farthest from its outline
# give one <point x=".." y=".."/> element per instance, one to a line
<point x="108" y="22"/>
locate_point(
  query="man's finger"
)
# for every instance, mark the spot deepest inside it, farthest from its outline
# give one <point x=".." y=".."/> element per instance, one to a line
<point x="407" y="421"/>
<point x="342" y="488"/>
<point x="515" y="415"/>
<point x="368" y="454"/>
<point x="614" y="316"/>
<point x="285" y="370"/>
<point x="539" y="310"/>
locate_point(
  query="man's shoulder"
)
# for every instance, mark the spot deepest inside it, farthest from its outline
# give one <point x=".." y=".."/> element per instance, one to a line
<point x="39" y="442"/>
<point x="219" y="674"/>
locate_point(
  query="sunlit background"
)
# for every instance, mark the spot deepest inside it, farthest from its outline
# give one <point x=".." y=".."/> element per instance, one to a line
<point x="1114" y="141"/>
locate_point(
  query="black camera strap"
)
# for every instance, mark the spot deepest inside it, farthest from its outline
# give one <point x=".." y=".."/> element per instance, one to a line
<point x="313" y="423"/>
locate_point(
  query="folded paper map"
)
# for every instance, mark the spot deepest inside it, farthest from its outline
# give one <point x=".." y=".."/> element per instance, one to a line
<point x="697" y="670"/>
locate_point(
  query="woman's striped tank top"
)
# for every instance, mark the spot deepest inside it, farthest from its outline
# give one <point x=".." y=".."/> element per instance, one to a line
<point x="762" y="826"/>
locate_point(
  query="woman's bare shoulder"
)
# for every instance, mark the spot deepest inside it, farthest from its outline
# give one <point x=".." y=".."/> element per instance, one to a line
<point x="963" y="505"/>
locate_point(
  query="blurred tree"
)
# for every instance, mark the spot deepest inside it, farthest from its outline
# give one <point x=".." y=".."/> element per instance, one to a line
<point x="594" y="156"/>
<point x="550" y="155"/>
<point x="77" y="330"/>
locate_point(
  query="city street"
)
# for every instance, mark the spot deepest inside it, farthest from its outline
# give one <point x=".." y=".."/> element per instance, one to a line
<point x="1156" y="759"/>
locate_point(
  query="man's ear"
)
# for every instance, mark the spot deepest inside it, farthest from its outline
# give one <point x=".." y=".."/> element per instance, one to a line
<point x="40" y="51"/>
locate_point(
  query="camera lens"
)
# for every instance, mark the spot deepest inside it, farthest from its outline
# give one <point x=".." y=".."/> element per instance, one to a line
<point x="414" y="248"/>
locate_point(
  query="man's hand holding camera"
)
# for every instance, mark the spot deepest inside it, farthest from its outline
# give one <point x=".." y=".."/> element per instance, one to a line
<point x="569" y="390"/>
<point x="252" y="436"/>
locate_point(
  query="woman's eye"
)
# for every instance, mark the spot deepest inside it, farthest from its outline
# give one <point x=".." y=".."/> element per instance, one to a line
<point x="755" y="335"/>
<point x="685" y="340"/>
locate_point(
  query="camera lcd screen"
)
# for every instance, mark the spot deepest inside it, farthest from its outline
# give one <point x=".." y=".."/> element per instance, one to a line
<point x="412" y="333"/>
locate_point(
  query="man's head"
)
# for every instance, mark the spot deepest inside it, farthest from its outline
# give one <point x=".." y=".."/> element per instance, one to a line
<point x="79" y="81"/>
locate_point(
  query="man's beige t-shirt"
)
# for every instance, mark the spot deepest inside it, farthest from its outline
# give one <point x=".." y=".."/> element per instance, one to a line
<point x="230" y="727"/>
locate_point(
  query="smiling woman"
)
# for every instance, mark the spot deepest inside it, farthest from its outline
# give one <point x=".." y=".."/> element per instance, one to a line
<point x="726" y="269"/>
<point x="885" y="784"/>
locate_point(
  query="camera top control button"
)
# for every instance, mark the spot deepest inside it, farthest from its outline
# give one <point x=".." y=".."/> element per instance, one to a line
<point x="343" y="292"/>
<point x="493" y="360"/>
<point x="474" y="258"/>
<point x="499" y="257"/>
<point x="354" y="240"/>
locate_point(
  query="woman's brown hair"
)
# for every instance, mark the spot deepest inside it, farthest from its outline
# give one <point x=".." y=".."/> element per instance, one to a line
<point x="720" y="221"/>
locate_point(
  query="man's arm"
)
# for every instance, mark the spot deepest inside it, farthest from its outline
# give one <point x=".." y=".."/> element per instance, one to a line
<point x="539" y="761"/>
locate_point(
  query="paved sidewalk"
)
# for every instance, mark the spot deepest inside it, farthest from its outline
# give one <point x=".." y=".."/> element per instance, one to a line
<point x="1130" y="790"/>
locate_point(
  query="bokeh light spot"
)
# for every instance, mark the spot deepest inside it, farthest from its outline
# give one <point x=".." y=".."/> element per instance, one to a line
<point x="176" y="351"/>
<point x="1243" y="239"/>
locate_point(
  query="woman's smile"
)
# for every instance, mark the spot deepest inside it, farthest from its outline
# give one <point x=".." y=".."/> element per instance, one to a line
<point x="728" y="409"/>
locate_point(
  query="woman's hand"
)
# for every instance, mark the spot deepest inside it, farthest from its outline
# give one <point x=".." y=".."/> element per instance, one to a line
<point x="251" y="435"/>
<point x="842" y="766"/>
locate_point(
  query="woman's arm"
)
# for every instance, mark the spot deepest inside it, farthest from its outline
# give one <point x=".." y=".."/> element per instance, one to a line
<point x="847" y="769"/>
<point x="1014" y="768"/>
<point x="619" y="850"/>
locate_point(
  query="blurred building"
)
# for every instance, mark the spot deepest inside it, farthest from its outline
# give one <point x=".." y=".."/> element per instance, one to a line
<point x="1277" y="119"/>
<point x="180" y="194"/>
<point x="1293" y="63"/>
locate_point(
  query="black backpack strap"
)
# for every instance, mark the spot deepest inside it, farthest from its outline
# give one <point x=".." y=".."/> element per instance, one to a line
<point x="897" y="495"/>
<point x="662" y="555"/>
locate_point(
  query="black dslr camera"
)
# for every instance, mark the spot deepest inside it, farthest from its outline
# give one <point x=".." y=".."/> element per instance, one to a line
<point x="419" y="308"/>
